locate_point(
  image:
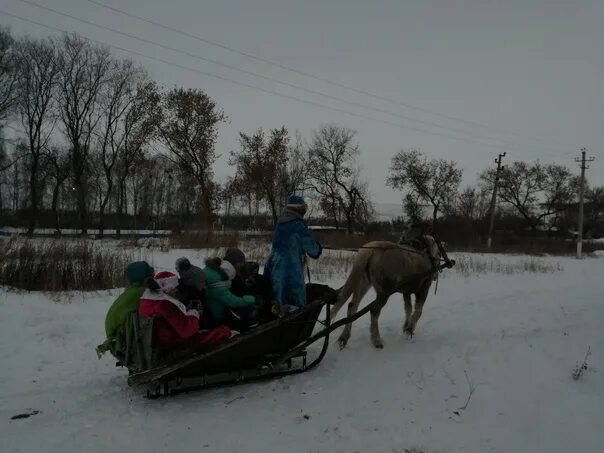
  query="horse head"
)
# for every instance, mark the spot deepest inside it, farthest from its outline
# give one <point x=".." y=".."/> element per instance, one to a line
<point x="436" y="251"/>
<point x="432" y="248"/>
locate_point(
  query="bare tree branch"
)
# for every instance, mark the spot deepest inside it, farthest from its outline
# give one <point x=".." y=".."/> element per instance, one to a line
<point x="189" y="130"/>
<point x="334" y="175"/>
<point x="38" y="70"/>
<point x="434" y="181"/>
<point x="84" y="71"/>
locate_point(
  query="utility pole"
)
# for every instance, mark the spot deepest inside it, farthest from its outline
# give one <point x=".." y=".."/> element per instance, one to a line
<point x="494" y="199"/>
<point x="582" y="160"/>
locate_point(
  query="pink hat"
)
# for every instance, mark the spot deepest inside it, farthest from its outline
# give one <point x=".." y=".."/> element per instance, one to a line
<point x="166" y="280"/>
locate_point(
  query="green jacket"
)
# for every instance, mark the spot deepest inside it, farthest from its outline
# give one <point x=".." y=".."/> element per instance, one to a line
<point x="218" y="294"/>
<point x="117" y="317"/>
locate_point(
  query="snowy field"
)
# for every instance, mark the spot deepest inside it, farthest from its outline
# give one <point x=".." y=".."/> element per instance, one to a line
<point x="515" y="336"/>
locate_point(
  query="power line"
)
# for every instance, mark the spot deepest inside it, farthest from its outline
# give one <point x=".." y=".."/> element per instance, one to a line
<point x="271" y="79"/>
<point x="307" y="74"/>
<point x="287" y="96"/>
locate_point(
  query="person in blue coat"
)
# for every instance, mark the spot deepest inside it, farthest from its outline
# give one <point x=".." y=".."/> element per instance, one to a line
<point x="292" y="241"/>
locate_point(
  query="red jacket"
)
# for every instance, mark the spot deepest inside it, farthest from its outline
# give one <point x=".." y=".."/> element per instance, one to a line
<point x="174" y="324"/>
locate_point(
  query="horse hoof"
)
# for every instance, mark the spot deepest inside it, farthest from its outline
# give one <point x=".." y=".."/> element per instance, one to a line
<point x="378" y="344"/>
<point x="342" y="343"/>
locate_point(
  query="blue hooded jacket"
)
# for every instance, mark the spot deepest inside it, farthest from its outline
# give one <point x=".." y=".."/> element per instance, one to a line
<point x="285" y="267"/>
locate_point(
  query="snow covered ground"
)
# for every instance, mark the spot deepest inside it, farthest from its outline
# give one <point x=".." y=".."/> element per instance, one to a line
<point x="517" y="337"/>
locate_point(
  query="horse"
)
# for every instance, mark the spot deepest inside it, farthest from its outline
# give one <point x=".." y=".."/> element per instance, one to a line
<point x="390" y="268"/>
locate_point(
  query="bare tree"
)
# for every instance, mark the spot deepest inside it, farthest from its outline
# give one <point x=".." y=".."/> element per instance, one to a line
<point x="333" y="173"/>
<point x="595" y="202"/>
<point x="19" y="172"/>
<point x="84" y="69"/>
<point x="519" y="186"/>
<point x="146" y="184"/>
<point x="140" y="123"/>
<point x="4" y="165"/>
<point x="8" y="73"/>
<point x="37" y="65"/>
<point x="230" y="192"/>
<point x="164" y="185"/>
<point x="330" y="206"/>
<point x="189" y="130"/>
<point x="559" y="189"/>
<point x="58" y="169"/>
<point x="246" y="192"/>
<point x="247" y="181"/>
<point x="16" y="177"/>
<point x="472" y="203"/>
<point x="117" y="98"/>
<point x="263" y="163"/>
<point x="295" y="177"/>
<point x="6" y="160"/>
<point x="534" y="191"/>
<point x="365" y="211"/>
<point x="434" y="181"/>
<point x="413" y="207"/>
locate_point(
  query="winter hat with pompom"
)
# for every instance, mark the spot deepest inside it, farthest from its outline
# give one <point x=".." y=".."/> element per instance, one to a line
<point x="222" y="266"/>
<point x="228" y="269"/>
<point x="166" y="281"/>
<point x="296" y="202"/>
<point x="190" y="275"/>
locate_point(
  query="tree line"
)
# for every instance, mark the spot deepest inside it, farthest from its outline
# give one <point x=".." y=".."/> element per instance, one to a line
<point x="99" y="139"/>
<point x="101" y="143"/>
<point x="531" y="195"/>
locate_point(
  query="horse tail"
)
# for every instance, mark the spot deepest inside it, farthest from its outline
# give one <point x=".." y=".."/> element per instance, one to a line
<point x="359" y="272"/>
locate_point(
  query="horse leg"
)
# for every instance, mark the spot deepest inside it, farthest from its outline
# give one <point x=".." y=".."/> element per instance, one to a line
<point x="420" y="298"/>
<point x="336" y="307"/>
<point x="408" y="312"/>
<point x="376" y="339"/>
<point x="360" y="291"/>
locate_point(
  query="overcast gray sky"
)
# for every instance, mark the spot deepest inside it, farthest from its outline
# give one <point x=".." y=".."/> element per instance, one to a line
<point x="531" y="70"/>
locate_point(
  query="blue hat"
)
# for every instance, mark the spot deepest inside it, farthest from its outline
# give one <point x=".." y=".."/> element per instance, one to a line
<point x="295" y="201"/>
<point x="138" y="271"/>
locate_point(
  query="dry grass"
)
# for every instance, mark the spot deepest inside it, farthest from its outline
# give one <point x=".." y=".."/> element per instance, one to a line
<point x="338" y="263"/>
<point x="85" y="265"/>
<point x="205" y="240"/>
<point x="470" y="265"/>
<point x="541" y="247"/>
<point x="332" y="264"/>
<point x="342" y="240"/>
<point x="511" y="244"/>
<point x="61" y="265"/>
